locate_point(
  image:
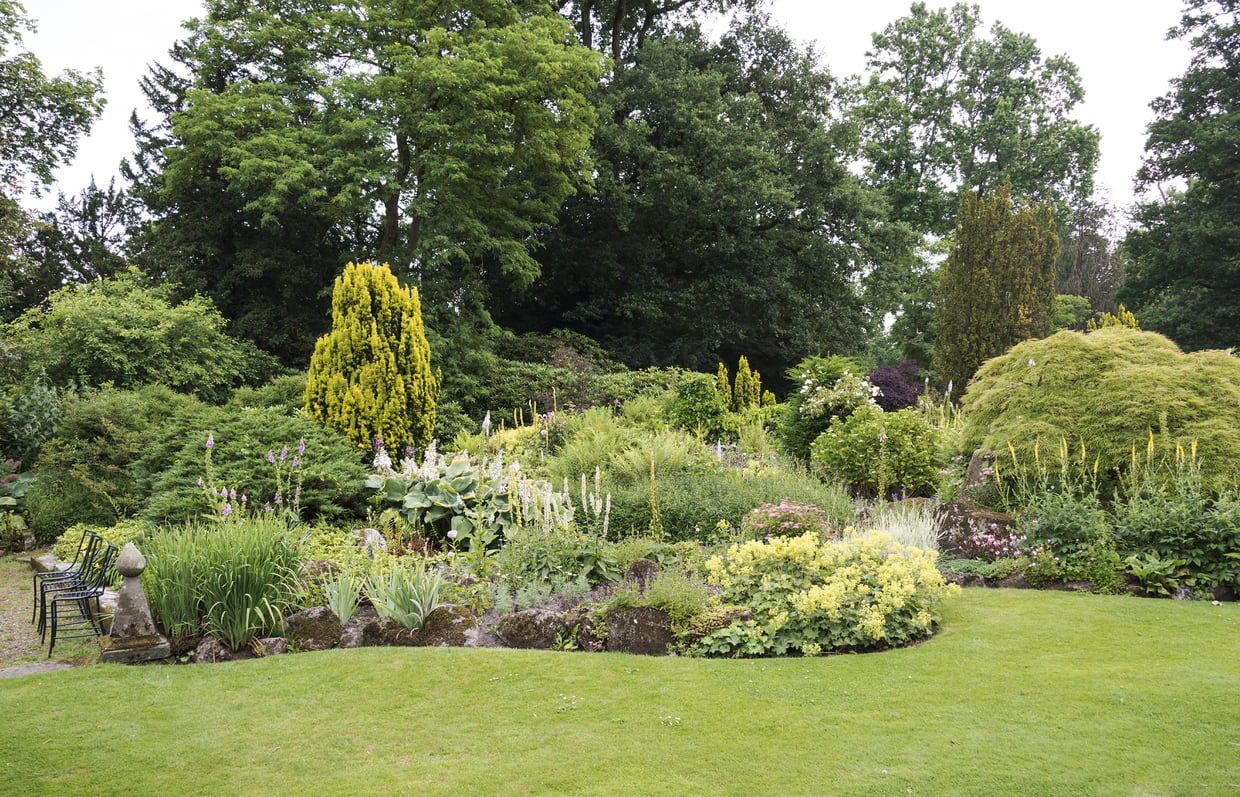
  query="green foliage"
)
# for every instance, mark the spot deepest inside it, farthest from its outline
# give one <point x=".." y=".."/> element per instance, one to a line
<point x="878" y="453"/>
<point x="343" y="593"/>
<point x="126" y="531"/>
<point x="287" y="392"/>
<point x="105" y="438"/>
<point x="232" y="579"/>
<point x="1121" y="318"/>
<point x="43" y="118"/>
<point x="248" y="456"/>
<point x="746" y="393"/>
<point x="121" y="332"/>
<point x="698" y="407"/>
<point x="29" y="417"/>
<point x="997" y="287"/>
<point x="708" y="503"/>
<point x="1200" y="534"/>
<point x="405" y="592"/>
<point x="329" y="131"/>
<point x="681" y="596"/>
<point x="718" y="159"/>
<point x="541" y="555"/>
<point x="812" y="596"/>
<point x="56" y="501"/>
<point x="947" y="109"/>
<point x="46" y="115"/>
<point x="1071" y="312"/>
<point x="371" y="377"/>
<point x="798" y="427"/>
<point x="1183" y="248"/>
<point x="1107" y="390"/>
<point x="460" y="501"/>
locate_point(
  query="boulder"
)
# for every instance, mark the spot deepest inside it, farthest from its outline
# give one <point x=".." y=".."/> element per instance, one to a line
<point x="271" y="646"/>
<point x="960" y="520"/>
<point x="533" y="628"/>
<point x="370" y="540"/>
<point x="211" y="650"/>
<point x="965" y="579"/>
<point x="386" y="632"/>
<point x="313" y="629"/>
<point x="639" y="629"/>
<point x="45" y="563"/>
<point x="353" y="633"/>
<point x="448" y="625"/>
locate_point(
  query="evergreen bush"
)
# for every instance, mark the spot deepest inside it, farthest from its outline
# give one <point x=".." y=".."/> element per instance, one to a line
<point x="370" y="376"/>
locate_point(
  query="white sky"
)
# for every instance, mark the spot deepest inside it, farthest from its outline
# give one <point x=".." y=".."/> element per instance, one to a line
<point x="1118" y="45"/>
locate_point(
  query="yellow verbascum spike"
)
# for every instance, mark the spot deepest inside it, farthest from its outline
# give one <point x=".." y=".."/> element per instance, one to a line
<point x="1013" y="452"/>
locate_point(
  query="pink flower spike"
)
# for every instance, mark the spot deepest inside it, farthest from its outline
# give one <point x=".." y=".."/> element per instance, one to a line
<point x="283" y="454"/>
<point x="210" y="441"/>
<point x="271" y="456"/>
<point x="296" y="461"/>
<point x="301" y="447"/>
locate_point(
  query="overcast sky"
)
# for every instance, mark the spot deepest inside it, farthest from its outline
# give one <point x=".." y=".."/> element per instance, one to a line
<point x="1119" y="46"/>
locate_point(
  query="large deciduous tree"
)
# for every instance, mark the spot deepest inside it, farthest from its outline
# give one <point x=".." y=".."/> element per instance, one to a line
<point x="948" y="109"/>
<point x="439" y="136"/>
<point x="1184" y="276"/>
<point x="41" y="119"/>
<point x="725" y="220"/>
<point x="619" y="27"/>
<point x="997" y="287"/>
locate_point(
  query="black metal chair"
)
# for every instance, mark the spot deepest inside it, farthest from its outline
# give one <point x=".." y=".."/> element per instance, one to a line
<point x="73" y="612"/>
<point x="89" y="541"/>
<point x="69" y="580"/>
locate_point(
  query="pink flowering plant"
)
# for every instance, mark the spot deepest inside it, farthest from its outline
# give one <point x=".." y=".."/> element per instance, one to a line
<point x="991" y="542"/>
<point x="786" y="519"/>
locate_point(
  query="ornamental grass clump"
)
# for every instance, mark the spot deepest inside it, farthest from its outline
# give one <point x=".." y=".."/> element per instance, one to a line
<point x="231" y="580"/>
<point x="810" y="596"/>
<point x="407" y="594"/>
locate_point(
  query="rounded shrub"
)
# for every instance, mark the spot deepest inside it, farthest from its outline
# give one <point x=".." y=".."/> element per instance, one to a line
<point x="811" y="596"/>
<point x="878" y="452"/>
<point x="1107" y="390"/>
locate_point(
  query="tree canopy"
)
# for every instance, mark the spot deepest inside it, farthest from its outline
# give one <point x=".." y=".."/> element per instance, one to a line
<point x="441" y="137"/>
<point x="41" y="119"/>
<point x="725" y="220"/>
<point x="1184" y="276"/>
<point x="947" y="109"/>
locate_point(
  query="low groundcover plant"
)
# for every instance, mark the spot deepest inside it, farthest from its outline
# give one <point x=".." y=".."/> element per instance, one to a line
<point x="807" y="595"/>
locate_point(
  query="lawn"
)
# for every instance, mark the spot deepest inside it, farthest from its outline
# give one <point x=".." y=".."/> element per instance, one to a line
<point x="1032" y="693"/>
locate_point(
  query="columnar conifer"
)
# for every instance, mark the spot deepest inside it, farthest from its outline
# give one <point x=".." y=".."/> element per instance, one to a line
<point x="370" y="376"/>
<point x="997" y="287"/>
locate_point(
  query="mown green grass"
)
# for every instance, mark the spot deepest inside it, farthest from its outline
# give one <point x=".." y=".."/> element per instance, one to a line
<point x="1022" y="693"/>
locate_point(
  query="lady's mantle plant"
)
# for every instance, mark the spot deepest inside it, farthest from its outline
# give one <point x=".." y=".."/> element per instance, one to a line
<point x="811" y="596"/>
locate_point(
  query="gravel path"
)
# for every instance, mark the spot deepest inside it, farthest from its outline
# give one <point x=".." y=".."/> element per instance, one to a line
<point x="19" y="641"/>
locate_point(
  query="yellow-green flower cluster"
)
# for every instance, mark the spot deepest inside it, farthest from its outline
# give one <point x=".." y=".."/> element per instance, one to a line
<point x="810" y="595"/>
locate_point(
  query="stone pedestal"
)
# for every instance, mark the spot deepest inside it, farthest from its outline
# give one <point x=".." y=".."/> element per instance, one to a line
<point x="133" y="637"/>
